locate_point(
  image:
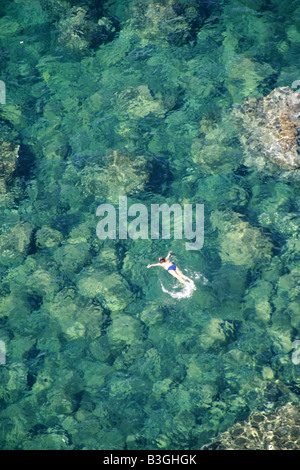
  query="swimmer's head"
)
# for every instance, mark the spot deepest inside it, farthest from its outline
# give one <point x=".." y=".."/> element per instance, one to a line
<point x="161" y="259"/>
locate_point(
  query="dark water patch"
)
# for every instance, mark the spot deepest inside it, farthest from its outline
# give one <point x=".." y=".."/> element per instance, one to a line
<point x="26" y="162"/>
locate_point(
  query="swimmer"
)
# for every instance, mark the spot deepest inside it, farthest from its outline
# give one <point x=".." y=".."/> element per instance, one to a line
<point x="171" y="268"/>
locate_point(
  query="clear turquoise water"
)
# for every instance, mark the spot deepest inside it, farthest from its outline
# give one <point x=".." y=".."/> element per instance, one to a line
<point x="98" y="355"/>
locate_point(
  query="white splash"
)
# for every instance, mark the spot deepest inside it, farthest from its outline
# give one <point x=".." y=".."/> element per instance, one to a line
<point x="187" y="290"/>
<point x="201" y="276"/>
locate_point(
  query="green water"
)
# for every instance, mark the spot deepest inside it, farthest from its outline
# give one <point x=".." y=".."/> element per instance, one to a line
<point x="98" y="355"/>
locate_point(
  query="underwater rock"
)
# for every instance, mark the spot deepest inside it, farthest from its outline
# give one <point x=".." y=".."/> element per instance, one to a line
<point x="138" y="102"/>
<point x="123" y="174"/>
<point x="167" y="20"/>
<point x="9" y="27"/>
<point x="193" y="371"/>
<point x="244" y="76"/>
<point x="285" y="224"/>
<point x="55" y="8"/>
<point x="17" y="377"/>
<point x="9" y="154"/>
<point x="240" y="243"/>
<point x="294" y="311"/>
<point x="13" y="384"/>
<point x="291" y="250"/>
<point x="268" y="373"/>
<point x="14" y="244"/>
<point x="107" y="438"/>
<point x="213" y="148"/>
<point x="107" y="27"/>
<point x="150" y="365"/>
<point x="151" y="314"/>
<point x="21" y="346"/>
<point x="257" y="300"/>
<point x="183" y="422"/>
<point x="72" y="257"/>
<point x="76" y="317"/>
<point x="46" y="237"/>
<point x="215" y="333"/>
<point x="269" y="130"/>
<point x="42" y="283"/>
<point x="55" y="144"/>
<point x="12" y="113"/>
<point x="276" y="430"/>
<point x="110" y="289"/>
<point x="48" y="441"/>
<point x="161" y="387"/>
<point x="124" y="329"/>
<point x="99" y="349"/>
<point x="80" y="32"/>
<point x="286" y="303"/>
<point x="59" y="403"/>
<point x="288" y="287"/>
<point x="106" y="253"/>
<point x="74" y="31"/>
<point x="130" y="355"/>
<point x="94" y="374"/>
<point x="75" y="331"/>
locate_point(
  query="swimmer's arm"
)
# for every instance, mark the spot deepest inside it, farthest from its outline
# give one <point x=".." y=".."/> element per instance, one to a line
<point x="168" y="255"/>
<point x="156" y="264"/>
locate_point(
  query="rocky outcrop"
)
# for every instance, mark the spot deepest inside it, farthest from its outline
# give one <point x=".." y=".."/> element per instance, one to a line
<point x="269" y="130"/>
<point x="276" y="430"/>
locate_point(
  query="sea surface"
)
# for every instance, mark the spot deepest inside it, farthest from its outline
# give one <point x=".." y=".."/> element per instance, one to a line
<point x="134" y="98"/>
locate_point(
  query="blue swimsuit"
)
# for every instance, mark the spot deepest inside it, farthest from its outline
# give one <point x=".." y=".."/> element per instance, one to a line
<point x="172" y="268"/>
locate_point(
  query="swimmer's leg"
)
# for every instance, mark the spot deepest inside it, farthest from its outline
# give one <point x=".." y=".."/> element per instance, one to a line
<point x="175" y="274"/>
<point x="183" y="276"/>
